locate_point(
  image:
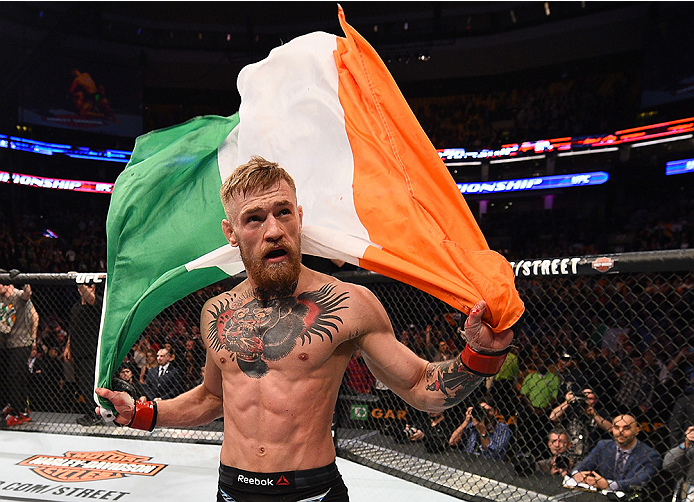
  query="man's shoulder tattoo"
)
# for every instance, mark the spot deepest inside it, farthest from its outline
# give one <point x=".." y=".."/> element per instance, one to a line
<point x="255" y="332"/>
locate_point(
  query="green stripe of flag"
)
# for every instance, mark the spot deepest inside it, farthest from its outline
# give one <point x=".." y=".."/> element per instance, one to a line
<point x="165" y="212"/>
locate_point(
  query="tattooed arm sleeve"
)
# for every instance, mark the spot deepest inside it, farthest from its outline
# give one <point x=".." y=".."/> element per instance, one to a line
<point x="451" y="380"/>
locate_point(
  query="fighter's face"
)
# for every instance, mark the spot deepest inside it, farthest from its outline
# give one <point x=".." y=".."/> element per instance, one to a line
<point x="266" y="227"/>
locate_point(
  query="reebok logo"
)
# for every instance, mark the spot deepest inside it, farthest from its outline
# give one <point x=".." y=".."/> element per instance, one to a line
<point x="283" y="481"/>
<point x="255" y="481"/>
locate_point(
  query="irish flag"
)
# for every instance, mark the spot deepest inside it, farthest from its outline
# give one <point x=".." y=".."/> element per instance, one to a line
<point x="374" y="191"/>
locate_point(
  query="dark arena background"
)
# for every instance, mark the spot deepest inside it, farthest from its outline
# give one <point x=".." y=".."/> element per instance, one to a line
<point x="568" y="127"/>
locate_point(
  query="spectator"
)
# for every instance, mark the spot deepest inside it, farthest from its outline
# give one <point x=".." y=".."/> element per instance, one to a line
<point x="165" y="381"/>
<point x="538" y="392"/>
<point x="603" y="380"/>
<point x="444" y="352"/>
<point x="126" y="374"/>
<point x="624" y="464"/>
<point x="680" y="462"/>
<point x="197" y="353"/>
<point x="570" y="376"/>
<point x="19" y="328"/>
<point x="191" y="375"/>
<point x="582" y="416"/>
<point x="540" y="387"/>
<point x="85" y="317"/>
<point x="151" y="362"/>
<point x="139" y="354"/>
<point x="406" y="339"/>
<point x="560" y="461"/>
<point x="481" y="433"/>
<point x="175" y="360"/>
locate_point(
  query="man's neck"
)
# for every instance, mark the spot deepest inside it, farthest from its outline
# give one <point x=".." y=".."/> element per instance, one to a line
<point x="267" y="294"/>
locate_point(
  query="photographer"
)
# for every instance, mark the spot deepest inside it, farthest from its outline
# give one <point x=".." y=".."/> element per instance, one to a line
<point x="582" y="417"/>
<point x="561" y="462"/>
<point x="481" y="433"/>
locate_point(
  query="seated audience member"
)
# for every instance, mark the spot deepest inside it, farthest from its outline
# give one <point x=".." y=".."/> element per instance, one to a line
<point x="481" y="433"/>
<point x="624" y="464"/>
<point x="680" y="462"/>
<point x="561" y="461"/>
<point x="582" y="416"/>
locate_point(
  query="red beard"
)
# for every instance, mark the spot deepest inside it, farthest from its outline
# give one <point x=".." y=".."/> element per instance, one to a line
<point x="274" y="280"/>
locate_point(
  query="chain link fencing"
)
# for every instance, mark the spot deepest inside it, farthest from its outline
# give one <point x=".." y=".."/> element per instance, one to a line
<point x="602" y="337"/>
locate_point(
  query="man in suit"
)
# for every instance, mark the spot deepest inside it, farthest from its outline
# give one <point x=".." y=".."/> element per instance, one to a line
<point x="624" y="463"/>
<point x="165" y="381"/>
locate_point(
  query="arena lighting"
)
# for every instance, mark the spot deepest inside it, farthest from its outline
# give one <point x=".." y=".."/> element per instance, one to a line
<point x="638" y="136"/>
<point x="517" y="159"/>
<point x="679" y="167"/>
<point x="76" y="152"/>
<point x="663" y="140"/>
<point x="655" y="133"/>
<point x="56" y="183"/>
<point x="586" y="152"/>
<point x="472" y="163"/>
<point x="538" y="183"/>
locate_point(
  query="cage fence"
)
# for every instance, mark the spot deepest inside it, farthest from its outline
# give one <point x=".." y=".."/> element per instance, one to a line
<point x="603" y="339"/>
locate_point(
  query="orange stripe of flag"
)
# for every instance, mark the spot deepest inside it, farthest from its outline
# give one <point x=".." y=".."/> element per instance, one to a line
<point x="407" y="200"/>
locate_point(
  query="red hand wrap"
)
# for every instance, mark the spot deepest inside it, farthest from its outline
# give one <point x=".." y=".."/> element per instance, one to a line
<point x="144" y="416"/>
<point x="483" y="364"/>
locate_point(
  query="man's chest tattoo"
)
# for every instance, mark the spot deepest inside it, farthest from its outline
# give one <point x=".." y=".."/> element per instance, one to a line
<point x="256" y="332"/>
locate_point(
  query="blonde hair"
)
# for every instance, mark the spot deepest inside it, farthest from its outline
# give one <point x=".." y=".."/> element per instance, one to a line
<point x="256" y="174"/>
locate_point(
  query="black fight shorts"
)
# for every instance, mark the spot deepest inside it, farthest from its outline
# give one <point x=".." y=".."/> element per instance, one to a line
<point x="314" y="485"/>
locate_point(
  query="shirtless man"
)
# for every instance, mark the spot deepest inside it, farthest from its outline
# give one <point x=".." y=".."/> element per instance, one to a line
<point x="278" y="345"/>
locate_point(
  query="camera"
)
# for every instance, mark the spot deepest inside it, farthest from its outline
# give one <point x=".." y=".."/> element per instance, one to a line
<point x="580" y="396"/>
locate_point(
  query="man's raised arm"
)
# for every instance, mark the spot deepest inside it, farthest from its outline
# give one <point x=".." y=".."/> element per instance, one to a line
<point x="433" y="386"/>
